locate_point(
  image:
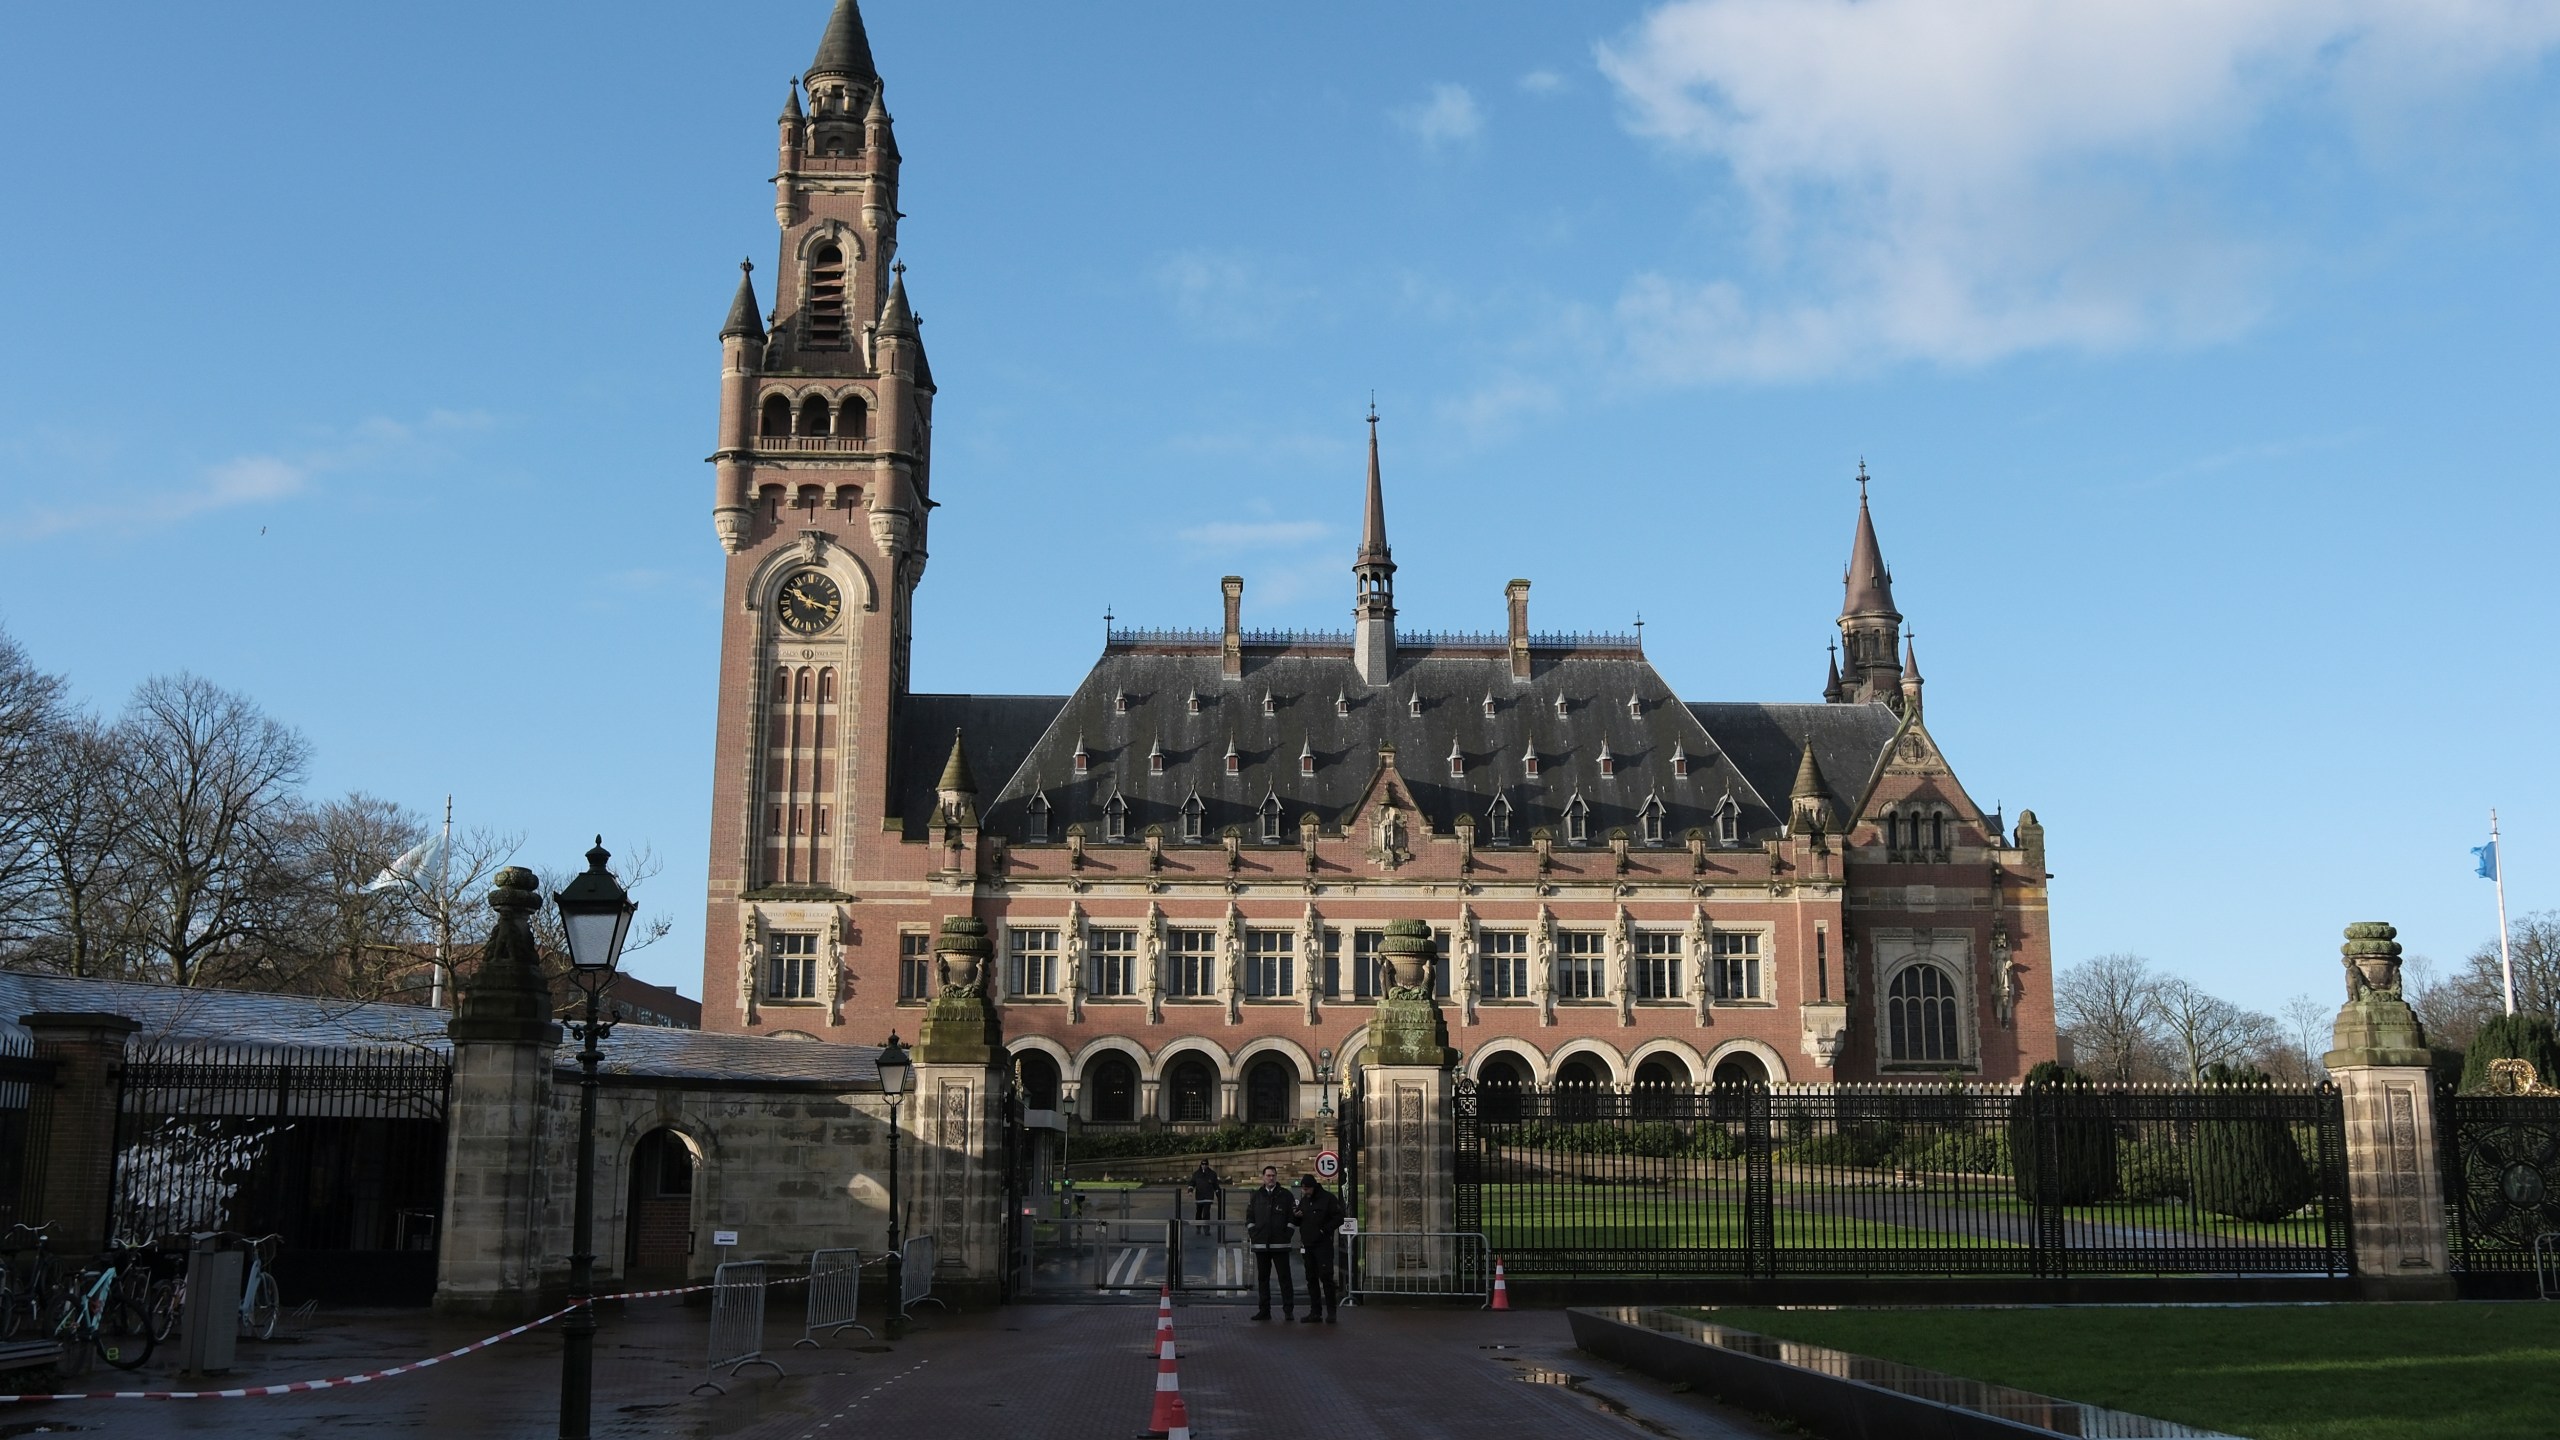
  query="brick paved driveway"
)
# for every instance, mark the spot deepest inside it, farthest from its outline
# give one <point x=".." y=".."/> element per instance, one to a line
<point x="1053" y="1372"/>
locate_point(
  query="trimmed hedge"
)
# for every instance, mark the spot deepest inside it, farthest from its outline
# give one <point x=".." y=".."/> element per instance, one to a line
<point x="2085" y="1168"/>
<point x="1653" y="1138"/>
<point x="2248" y="1169"/>
<point x="2512" y="1037"/>
<point x="1959" y="1152"/>
<point x="2148" y="1170"/>
<point x="1147" y="1144"/>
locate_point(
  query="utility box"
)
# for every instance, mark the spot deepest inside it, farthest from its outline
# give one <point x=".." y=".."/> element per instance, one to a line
<point x="209" y="1323"/>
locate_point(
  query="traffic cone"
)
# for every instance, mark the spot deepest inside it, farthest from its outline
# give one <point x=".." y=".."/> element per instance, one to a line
<point x="1164" y="1324"/>
<point x="1181" y="1421"/>
<point x="1501" y="1287"/>
<point x="1168" y="1406"/>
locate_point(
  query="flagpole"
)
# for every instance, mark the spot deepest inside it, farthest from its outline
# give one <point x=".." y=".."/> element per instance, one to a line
<point x="444" y="915"/>
<point x="2506" y="960"/>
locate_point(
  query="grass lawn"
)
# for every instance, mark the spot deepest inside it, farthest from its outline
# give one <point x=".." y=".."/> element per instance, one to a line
<point x="2291" y="1372"/>
<point x="1569" y="1217"/>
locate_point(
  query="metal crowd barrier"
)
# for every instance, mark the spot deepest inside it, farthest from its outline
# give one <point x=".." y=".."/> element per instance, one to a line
<point x="1437" y="1264"/>
<point x="915" y="1275"/>
<point x="835" y="1296"/>
<point x="2546" y="1265"/>
<point x="737" y="1322"/>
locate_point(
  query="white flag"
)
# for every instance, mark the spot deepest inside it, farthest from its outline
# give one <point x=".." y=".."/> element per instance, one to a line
<point x="413" y="868"/>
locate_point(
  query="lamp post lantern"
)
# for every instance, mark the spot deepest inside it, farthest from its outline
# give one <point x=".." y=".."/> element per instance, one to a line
<point x="595" y="914"/>
<point x="896" y="1069"/>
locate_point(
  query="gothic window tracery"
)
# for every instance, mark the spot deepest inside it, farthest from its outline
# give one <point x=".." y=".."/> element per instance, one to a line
<point x="1920" y="1016"/>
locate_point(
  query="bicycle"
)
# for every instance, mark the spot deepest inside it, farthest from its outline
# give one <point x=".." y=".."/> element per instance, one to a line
<point x="26" y="1280"/>
<point x="260" y="1303"/>
<point x="100" y="1317"/>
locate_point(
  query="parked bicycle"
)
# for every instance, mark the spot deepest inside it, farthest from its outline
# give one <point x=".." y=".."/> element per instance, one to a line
<point x="27" y="1281"/>
<point x="260" y="1302"/>
<point x="101" y="1317"/>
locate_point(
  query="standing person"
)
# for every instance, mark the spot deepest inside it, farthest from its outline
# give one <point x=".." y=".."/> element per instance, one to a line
<point x="1204" y="1192"/>
<point x="1320" y="1213"/>
<point x="1268" y="1218"/>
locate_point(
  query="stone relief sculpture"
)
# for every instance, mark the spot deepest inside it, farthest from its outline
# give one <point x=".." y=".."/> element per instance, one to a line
<point x="1463" y="963"/>
<point x="831" y="980"/>
<point x="1231" y="965"/>
<point x="1701" y="955"/>
<point x="2004" y="977"/>
<point x="1389" y="848"/>
<point x="1151" y="983"/>
<point x="1622" y="951"/>
<point x="750" y="950"/>
<point x="1072" y="955"/>
<point x="1542" y="966"/>
<point x="1311" y="962"/>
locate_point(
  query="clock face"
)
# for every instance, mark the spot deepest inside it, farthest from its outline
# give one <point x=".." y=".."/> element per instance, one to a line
<point x="810" y="603"/>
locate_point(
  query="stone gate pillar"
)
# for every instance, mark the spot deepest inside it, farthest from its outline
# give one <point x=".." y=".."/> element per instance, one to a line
<point x="955" y="1121"/>
<point x="2395" y="1192"/>
<point x="87" y="1049"/>
<point x="1408" y="1170"/>
<point x="490" y="1261"/>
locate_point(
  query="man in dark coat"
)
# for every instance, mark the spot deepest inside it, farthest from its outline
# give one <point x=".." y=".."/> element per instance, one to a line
<point x="1320" y="1213"/>
<point x="1270" y="1217"/>
<point x="1204" y="1192"/>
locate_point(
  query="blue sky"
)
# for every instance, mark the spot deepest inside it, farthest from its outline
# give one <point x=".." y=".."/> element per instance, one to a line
<point x="362" y="358"/>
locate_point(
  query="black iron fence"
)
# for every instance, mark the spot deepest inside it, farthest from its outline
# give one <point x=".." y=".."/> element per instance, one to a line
<point x="339" y="1152"/>
<point x="26" y="1130"/>
<point x="1905" y="1180"/>
<point x="2501" y="1160"/>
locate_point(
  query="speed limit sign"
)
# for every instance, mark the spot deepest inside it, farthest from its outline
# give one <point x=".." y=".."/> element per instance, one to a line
<point x="1328" y="1164"/>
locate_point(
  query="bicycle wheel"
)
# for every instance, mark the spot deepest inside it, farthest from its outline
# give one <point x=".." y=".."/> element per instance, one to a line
<point x="166" y="1297"/>
<point x="13" y="1312"/>
<point x="258" y="1316"/>
<point x="63" y="1325"/>
<point x="124" y="1334"/>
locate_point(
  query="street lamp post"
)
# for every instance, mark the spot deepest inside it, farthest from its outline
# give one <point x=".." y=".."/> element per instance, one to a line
<point x="895" y="1070"/>
<point x="1324" y="1081"/>
<point x="595" y="913"/>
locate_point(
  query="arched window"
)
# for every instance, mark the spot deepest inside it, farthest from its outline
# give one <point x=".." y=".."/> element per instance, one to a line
<point x="853" y="419"/>
<point x="1661" y="1082"/>
<point x="1039" y="1079"/>
<point x="1937" y="832"/>
<point x="1266" y="1093"/>
<point x="1498" y="1084"/>
<point x="813" y="416"/>
<point x="777" y="417"/>
<point x="826" y="296"/>
<point x="1113" y="1082"/>
<point x="1191" y="1092"/>
<point x="1920" y="1016"/>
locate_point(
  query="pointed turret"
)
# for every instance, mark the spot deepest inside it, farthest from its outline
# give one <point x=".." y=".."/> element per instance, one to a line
<point x="744" y="318"/>
<point x="957" y="789"/>
<point x="897" y="317"/>
<point x="1373" y="645"/>
<point x="1870" y="628"/>
<point x="1808" y="802"/>
<point x="845" y="50"/>
<point x="1831" y="684"/>
<point x="1911" y="677"/>
<point x="791" y="114"/>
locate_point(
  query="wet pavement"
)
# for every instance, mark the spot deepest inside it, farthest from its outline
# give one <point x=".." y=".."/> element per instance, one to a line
<point x="1037" y="1372"/>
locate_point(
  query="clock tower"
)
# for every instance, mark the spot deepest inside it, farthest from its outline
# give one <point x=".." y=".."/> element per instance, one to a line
<point x="823" y="483"/>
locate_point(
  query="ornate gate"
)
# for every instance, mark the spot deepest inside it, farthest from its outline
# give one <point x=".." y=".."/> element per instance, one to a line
<point x="2501" y="1157"/>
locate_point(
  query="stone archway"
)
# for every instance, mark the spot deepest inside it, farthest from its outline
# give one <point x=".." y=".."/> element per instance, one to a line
<point x="657" y="1240"/>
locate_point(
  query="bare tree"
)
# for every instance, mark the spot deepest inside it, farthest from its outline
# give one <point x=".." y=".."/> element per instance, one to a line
<point x="82" y="921"/>
<point x="2105" y="1007"/>
<point x="447" y="899"/>
<point x="31" y="711"/>
<point x="2477" y="990"/>
<point x="212" y="782"/>
<point x="2452" y="1008"/>
<point x="2307" y="1020"/>
<point x="365" y="930"/>
<point x="2201" y="1028"/>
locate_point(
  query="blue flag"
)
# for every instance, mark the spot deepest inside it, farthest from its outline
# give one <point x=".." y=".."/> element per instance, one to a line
<point x="2487" y="855"/>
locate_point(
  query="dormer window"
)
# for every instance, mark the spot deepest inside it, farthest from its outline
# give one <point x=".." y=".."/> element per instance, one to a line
<point x="1341" y="703"/>
<point x="1649" y="821"/>
<point x="1191" y="704"/>
<point x="1529" y="760"/>
<point x="1270" y="706"/>
<point x="1413" y="706"/>
<point x="1728" y="822"/>
<point x="1635" y="707"/>
<point x="1577" y="822"/>
<point x="1084" y="762"/>
<point x="1560" y="707"/>
<point x="1679" y="761"/>
<point x="1270" y="819"/>
<point x="1115" y="819"/>
<point x="1035" y="820"/>
<point x="1608" y="762"/>
<point x="1488" y="705"/>
<point x="1497" y="821"/>
<point x="1194" y="817"/>
<point x="1155" y="757"/>
<point x="1235" y="762"/>
<point x="1307" y="757"/>
<point x="1120" y="702"/>
<point x="1457" y="761"/>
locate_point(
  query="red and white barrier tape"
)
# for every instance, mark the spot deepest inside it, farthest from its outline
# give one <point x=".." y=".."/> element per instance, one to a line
<point x="368" y="1377"/>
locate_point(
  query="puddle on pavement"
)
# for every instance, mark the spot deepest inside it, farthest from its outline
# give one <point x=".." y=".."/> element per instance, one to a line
<point x="36" y="1427"/>
<point x="1547" y="1377"/>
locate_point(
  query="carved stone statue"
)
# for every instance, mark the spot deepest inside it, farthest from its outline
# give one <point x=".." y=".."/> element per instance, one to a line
<point x="1622" y="947"/>
<point x="1542" y="965"/>
<point x="2372" y="954"/>
<point x="1389" y="848"/>
<point x="1310" y="962"/>
<point x="1231" y="963"/>
<point x="2005" y="972"/>
<point x="831" y="979"/>
<point x="1151" y="980"/>
<point x="1464" y="962"/>
<point x="1701" y="955"/>
<point x="750" y="953"/>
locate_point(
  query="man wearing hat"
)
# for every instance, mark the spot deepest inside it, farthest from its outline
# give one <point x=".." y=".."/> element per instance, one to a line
<point x="1320" y="1213"/>
<point x="1269" y="1216"/>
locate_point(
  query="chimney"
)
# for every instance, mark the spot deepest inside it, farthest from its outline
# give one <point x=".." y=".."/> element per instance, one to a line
<point x="1231" y="644"/>
<point x="1517" y="592"/>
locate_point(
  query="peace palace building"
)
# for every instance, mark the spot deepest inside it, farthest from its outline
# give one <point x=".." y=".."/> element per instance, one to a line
<point x="1187" y="864"/>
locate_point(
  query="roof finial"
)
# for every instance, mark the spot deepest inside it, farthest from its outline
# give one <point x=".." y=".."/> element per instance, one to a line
<point x="1373" y="409"/>
<point x="1862" y="479"/>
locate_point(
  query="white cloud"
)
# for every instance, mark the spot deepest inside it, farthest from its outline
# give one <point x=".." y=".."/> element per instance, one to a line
<point x="1229" y="296"/>
<point x="1542" y="82"/>
<point x="1256" y="535"/>
<point x="1957" y="180"/>
<point x="1448" y="117"/>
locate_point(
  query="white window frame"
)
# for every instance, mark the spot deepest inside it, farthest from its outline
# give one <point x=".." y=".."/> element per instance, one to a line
<point x="1031" y="961"/>
<point x="791" y="967"/>
<point x="1270" y="964"/>
<point x="1737" y="966"/>
<point x="1582" y="965"/>
<point x="1504" y="955"/>
<point x="1112" y="960"/>
<point x="1656" y="968"/>
<point x="1191" y="953"/>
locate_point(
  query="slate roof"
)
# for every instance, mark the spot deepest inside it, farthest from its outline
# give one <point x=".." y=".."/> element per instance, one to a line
<point x="845" y="49"/>
<point x="999" y="731"/>
<point x="1452" y="687"/>
<point x="1767" y="742"/>
<point x="244" y="1018"/>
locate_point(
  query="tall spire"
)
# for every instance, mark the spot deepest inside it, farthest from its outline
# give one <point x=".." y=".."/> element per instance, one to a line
<point x="1870" y="628"/>
<point x="845" y="49"/>
<point x="1373" y="612"/>
<point x="1869" y="583"/>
